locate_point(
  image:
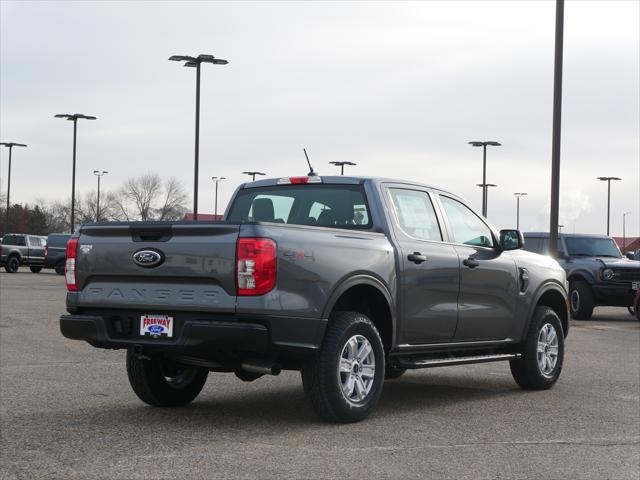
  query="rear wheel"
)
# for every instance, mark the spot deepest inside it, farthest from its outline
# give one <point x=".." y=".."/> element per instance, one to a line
<point x="543" y="352"/>
<point x="12" y="264"/>
<point x="344" y="379"/>
<point x="581" y="300"/>
<point x="35" y="269"/>
<point x="59" y="268"/>
<point x="163" y="383"/>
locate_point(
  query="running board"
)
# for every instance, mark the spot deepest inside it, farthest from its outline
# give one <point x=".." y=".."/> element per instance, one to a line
<point x="445" y="362"/>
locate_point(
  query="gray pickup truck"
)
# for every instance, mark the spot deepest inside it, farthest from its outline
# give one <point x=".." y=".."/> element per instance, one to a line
<point x="349" y="280"/>
<point x="598" y="273"/>
<point x="19" y="249"/>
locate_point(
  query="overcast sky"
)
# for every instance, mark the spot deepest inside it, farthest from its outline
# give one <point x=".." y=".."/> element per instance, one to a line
<point x="398" y="88"/>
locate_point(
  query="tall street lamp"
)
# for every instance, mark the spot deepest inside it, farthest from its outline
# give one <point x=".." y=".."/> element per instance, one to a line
<point x="484" y="170"/>
<point x="10" y="146"/>
<point x="485" y="188"/>
<point x="98" y="174"/>
<point x="341" y="165"/>
<point x="196" y="62"/>
<point x="217" y="180"/>
<point x="624" y="231"/>
<point x="518" y="195"/>
<point x="253" y="175"/>
<point x="608" y="180"/>
<point x="74" y="118"/>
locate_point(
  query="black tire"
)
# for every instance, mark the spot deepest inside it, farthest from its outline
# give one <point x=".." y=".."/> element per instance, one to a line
<point x="581" y="301"/>
<point x="148" y="378"/>
<point x="35" y="269"/>
<point x="12" y="265"/>
<point x="322" y="379"/>
<point x="527" y="371"/>
<point x="59" y="268"/>
<point x="391" y="373"/>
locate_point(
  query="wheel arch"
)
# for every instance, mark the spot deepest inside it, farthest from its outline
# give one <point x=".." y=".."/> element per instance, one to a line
<point x="368" y="295"/>
<point x="553" y="296"/>
<point x="581" y="275"/>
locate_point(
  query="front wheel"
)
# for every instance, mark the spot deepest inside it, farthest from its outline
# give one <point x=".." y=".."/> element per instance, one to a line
<point x="543" y="352"/>
<point x="581" y="300"/>
<point x="35" y="269"/>
<point x="162" y="383"/>
<point x="344" y="379"/>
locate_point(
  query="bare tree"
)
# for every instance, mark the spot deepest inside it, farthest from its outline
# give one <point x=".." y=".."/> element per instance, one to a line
<point x="142" y="192"/>
<point x="174" y="200"/>
<point x="146" y="198"/>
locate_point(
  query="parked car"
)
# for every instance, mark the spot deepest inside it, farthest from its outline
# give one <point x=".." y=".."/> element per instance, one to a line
<point x="598" y="273"/>
<point x="348" y="279"/>
<point x="55" y="251"/>
<point x="20" y="249"/>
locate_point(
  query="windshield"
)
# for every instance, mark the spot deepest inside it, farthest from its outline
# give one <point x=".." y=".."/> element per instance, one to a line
<point x="336" y="206"/>
<point x="592" y="247"/>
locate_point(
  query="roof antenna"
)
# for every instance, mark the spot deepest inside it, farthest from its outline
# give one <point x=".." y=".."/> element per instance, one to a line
<point x="311" y="171"/>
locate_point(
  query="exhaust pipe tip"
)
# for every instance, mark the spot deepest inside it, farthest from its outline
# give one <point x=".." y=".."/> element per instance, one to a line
<point x="261" y="366"/>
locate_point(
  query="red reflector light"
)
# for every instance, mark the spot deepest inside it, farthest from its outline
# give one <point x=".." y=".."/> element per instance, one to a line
<point x="70" y="265"/>
<point x="255" y="266"/>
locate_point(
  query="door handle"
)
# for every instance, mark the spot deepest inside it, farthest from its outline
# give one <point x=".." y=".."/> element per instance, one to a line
<point x="471" y="262"/>
<point x="417" y="257"/>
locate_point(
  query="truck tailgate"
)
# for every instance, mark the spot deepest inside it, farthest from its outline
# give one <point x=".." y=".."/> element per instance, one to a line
<point x="196" y="270"/>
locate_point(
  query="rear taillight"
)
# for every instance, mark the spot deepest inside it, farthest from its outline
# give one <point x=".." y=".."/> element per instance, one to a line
<point x="46" y="252"/>
<point x="70" y="265"/>
<point x="255" y="266"/>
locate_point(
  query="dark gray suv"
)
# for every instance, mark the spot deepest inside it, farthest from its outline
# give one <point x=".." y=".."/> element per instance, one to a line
<point x="597" y="272"/>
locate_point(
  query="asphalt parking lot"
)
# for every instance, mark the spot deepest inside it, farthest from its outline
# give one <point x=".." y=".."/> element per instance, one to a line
<point x="67" y="411"/>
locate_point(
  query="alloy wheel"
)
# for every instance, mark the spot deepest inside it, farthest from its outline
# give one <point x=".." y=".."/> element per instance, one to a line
<point x="547" y="351"/>
<point x="356" y="369"/>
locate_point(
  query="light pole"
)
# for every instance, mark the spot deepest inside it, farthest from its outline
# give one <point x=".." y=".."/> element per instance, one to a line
<point x="253" y="175"/>
<point x="196" y="62"/>
<point x="485" y="188"/>
<point x="624" y="231"/>
<point x="98" y="174"/>
<point x="484" y="170"/>
<point x="518" y="195"/>
<point x="74" y="118"/>
<point x="608" y="180"/>
<point x="217" y="180"/>
<point x="10" y="146"/>
<point x="341" y="165"/>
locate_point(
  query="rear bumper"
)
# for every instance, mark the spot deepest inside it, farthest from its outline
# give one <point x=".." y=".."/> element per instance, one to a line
<point x="614" y="295"/>
<point x="199" y="336"/>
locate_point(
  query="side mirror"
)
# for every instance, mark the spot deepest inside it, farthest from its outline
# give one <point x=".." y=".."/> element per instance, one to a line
<point x="511" y="239"/>
<point x="630" y="255"/>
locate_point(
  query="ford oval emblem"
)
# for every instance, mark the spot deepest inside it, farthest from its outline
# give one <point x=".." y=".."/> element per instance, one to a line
<point x="148" y="258"/>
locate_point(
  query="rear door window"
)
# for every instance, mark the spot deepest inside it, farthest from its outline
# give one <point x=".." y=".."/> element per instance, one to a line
<point x="415" y="213"/>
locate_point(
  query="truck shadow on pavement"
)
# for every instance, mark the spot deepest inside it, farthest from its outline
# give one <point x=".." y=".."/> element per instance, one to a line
<point x="287" y="406"/>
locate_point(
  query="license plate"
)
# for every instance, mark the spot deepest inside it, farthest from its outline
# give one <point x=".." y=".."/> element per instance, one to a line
<point x="156" y="326"/>
<point x="635" y="285"/>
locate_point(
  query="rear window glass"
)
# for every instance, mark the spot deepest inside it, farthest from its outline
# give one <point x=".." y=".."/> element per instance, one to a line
<point x="342" y="206"/>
